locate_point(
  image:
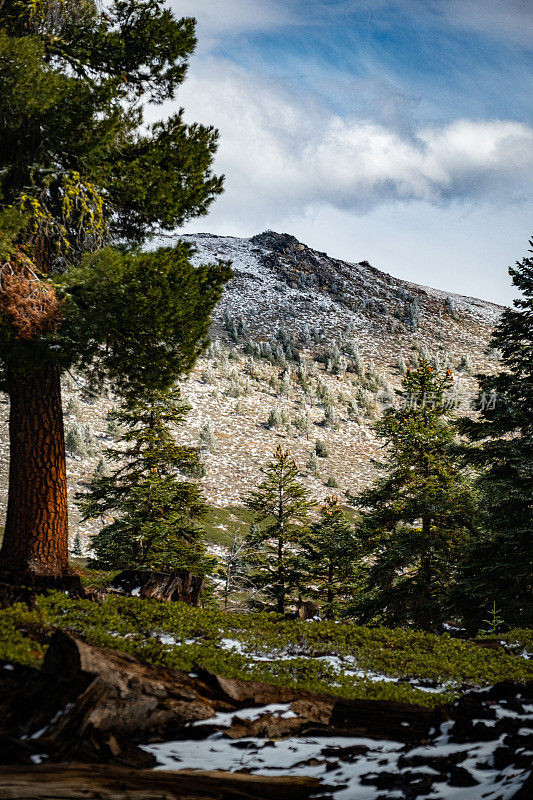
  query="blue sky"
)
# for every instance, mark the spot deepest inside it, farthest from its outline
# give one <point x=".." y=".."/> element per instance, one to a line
<point x="398" y="132"/>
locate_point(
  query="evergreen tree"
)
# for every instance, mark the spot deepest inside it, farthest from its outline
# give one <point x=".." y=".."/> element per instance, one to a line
<point x="417" y="518"/>
<point x="84" y="181"/>
<point x="499" y="569"/>
<point x="156" y="514"/>
<point x="76" y="547"/>
<point x="101" y="470"/>
<point x="281" y="506"/>
<point x="329" y="558"/>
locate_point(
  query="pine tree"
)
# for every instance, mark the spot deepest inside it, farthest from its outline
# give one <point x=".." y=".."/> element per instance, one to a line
<point x="329" y="558"/>
<point x="101" y="470"/>
<point x="207" y="437"/>
<point x="76" y="547"/>
<point x="83" y="182"/>
<point x="156" y="514"/>
<point x="281" y="506"/>
<point x="417" y="518"/>
<point x="321" y="449"/>
<point x="500" y="567"/>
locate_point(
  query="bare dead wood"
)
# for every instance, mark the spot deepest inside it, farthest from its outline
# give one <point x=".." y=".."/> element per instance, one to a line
<point x="307" y="609"/>
<point x="95" y="782"/>
<point x="327" y="715"/>
<point x="126" y="697"/>
<point x="94" y="704"/>
<point x="166" y="586"/>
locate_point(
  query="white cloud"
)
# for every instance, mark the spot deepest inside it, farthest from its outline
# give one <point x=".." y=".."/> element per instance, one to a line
<point x="435" y="205"/>
<point x="282" y="154"/>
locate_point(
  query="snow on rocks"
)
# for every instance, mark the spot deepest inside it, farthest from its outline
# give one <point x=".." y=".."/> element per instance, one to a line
<point x="483" y="762"/>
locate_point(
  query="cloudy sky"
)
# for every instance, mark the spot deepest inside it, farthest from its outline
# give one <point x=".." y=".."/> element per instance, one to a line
<point x="397" y="131"/>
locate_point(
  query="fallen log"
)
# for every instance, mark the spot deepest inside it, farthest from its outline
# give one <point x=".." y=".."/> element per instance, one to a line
<point x="82" y="782"/>
<point x="327" y="715"/>
<point x="125" y="701"/>
<point x="140" y="699"/>
<point x="94" y="704"/>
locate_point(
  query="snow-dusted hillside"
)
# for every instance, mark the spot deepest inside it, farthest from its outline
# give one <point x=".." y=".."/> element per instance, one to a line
<point x="282" y="287"/>
<point x="280" y="280"/>
<point x="312" y="343"/>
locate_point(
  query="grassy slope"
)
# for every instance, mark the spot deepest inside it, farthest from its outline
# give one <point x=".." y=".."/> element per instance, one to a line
<point x="296" y="651"/>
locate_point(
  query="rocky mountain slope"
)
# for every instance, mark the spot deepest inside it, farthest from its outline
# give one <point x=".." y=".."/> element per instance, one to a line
<point x="305" y="347"/>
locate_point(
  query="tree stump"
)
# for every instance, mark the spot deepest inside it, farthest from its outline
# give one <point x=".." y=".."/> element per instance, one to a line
<point x="307" y="610"/>
<point x="167" y="586"/>
<point x="23" y="587"/>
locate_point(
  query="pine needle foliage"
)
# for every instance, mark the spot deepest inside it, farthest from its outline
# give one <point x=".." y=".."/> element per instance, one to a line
<point x="500" y="567"/>
<point x="83" y="177"/>
<point x="418" y="516"/>
<point x="329" y="559"/>
<point x="155" y="514"/>
<point x="281" y="506"/>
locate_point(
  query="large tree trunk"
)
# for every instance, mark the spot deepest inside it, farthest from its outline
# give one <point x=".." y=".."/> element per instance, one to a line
<point x="36" y="532"/>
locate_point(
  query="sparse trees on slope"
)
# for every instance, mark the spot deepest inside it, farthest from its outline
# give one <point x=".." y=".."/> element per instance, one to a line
<point x="80" y="172"/>
<point x="500" y="567"/>
<point x="281" y="506"/>
<point x="329" y="556"/>
<point x="418" y="517"/>
<point x="156" y="514"/>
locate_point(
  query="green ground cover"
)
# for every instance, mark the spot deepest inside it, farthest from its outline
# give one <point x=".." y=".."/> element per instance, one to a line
<point x="343" y="659"/>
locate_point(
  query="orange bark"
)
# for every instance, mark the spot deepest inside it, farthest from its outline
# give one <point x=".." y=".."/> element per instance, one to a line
<point x="36" y="532"/>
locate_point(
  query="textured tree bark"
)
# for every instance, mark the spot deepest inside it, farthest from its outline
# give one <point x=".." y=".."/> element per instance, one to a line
<point x="36" y="532"/>
<point x="104" y="782"/>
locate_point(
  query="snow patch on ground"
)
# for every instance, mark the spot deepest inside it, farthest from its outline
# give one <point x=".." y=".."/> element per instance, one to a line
<point x="346" y="774"/>
<point x="342" y="665"/>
